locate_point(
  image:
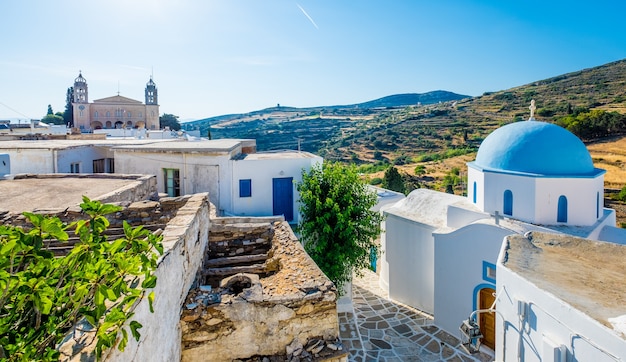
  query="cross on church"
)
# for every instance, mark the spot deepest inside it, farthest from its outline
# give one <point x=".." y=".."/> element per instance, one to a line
<point x="532" y="109"/>
<point x="497" y="217"/>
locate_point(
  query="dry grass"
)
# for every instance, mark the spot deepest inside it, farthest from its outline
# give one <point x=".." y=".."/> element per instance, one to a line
<point x="611" y="156"/>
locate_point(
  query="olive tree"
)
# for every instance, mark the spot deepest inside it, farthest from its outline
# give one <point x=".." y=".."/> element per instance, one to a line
<point x="338" y="227"/>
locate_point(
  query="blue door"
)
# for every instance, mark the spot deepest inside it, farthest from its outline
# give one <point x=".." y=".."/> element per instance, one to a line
<point x="282" y="189"/>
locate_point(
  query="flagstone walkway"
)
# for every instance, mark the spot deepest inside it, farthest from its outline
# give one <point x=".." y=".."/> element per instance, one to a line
<point x="383" y="330"/>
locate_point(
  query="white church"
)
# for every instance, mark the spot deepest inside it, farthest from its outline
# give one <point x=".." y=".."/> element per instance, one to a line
<point x="439" y="251"/>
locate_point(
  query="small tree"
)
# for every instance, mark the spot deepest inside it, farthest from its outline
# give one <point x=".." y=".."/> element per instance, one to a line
<point x="338" y="227"/>
<point x="68" y="115"/>
<point x="169" y="120"/>
<point x="392" y="180"/>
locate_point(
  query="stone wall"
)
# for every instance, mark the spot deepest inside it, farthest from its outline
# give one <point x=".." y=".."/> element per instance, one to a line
<point x="286" y="310"/>
<point x="184" y="240"/>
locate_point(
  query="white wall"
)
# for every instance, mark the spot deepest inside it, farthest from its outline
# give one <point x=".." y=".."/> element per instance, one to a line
<point x="51" y="160"/>
<point x="261" y="172"/>
<point x="84" y="155"/>
<point x="199" y="172"/>
<point x="459" y="276"/>
<point x="523" y="189"/>
<point x="408" y="251"/>
<point x="547" y="318"/>
<point x="581" y="196"/>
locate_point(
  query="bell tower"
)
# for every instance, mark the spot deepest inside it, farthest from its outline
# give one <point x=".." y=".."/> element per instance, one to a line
<point x="151" y="93"/>
<point x="80" y="89"/>
<point x="152" y="106"/>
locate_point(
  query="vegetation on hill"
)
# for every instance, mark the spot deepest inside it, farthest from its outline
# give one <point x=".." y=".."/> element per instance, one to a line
<point x="591" y="103"/>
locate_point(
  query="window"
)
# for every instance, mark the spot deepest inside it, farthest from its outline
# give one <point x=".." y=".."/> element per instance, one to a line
<point x="128" y="114"/>
<point x="172" y="181"/>
<point x="508" y="203"/>
<point x="75" y="167"/>
<point x="80" y="113"/>
<point x="108" y="114"/>
<point x="489" y="272"/>
<point x="98" y="166"/>
<point x="140" y="114"/>
<point x="597" y="205"/>
<point x="110" y="165"/>
<point x="474" y="193"/>
<point x="245" y="188"/>
<point x="562" y="211"/>
<point x="95" y="114"/>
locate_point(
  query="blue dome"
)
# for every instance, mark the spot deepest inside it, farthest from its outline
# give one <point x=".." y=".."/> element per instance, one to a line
<point x="537" y="148"/>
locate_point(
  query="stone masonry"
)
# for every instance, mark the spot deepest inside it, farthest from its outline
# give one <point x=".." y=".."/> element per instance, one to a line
<point x="277" y="306"/>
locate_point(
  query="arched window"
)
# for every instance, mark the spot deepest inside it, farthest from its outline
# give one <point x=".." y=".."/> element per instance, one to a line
<point x="474" y="194"/>
<point x="108" y="114"/>
<point x="508" y="203"/>
<point x="128" y="114"/>
<point x="562" y="213"/>
<point x="95" y="114"/>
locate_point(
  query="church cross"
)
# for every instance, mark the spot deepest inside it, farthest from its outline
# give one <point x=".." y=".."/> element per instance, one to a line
<point x="532" y="109"/>
<point x="497" y="217"/>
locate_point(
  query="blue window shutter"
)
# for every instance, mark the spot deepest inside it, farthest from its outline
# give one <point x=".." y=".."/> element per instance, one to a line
<point x="245" y="188"/>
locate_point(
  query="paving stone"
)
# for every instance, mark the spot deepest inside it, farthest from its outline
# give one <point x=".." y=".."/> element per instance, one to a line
<point x="380" y="343"/>
<point x="402" y="328"/>
<point x="430" y="329"/>
<point x="447" y="338"/>
<point x="433" y="346"/>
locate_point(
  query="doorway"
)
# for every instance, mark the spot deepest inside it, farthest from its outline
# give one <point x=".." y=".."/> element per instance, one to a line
<point x="283" y="197"/>
<point x="487" y="321"/>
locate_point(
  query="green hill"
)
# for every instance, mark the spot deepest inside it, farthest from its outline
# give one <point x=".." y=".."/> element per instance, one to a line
<point x="406" y="128"/>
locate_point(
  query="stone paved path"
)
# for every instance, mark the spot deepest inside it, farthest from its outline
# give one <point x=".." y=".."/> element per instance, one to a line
<point x="383" y="330"/>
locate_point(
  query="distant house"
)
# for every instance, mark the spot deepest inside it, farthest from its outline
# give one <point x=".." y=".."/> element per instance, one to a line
<point x="440" y="250"/>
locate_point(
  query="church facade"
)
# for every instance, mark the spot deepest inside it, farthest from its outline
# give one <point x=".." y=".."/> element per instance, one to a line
<point x="116" y="111"/>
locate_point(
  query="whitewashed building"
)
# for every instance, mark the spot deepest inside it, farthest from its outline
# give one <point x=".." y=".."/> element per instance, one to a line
<point x="439" y="251"/>
<point x="561" y="298"/>
<point x="239" y="180"/>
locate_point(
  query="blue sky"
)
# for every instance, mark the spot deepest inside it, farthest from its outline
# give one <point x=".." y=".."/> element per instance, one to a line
<point x="233" y="56"/>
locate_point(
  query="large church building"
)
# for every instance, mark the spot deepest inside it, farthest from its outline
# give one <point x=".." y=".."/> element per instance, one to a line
<point x="116" y="111"/>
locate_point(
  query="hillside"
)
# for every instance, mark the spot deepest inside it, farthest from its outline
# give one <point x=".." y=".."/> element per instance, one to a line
<point x="407" y="131"/>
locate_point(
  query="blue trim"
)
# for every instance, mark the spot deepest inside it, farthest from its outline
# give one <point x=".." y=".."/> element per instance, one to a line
<point x="507" y="208"/>
<point x="596" y="172"/>
<point x="474" y="197"/>
<point x="562" y="209"/>
<point x="475" y="294"/>
<point x="245" y="188"/>
<point x="487" y="265"/>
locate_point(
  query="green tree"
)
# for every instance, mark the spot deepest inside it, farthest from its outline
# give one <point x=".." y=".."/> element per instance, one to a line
<point x="68" y="115"/>
<point x="50" y="110"/>
<point x="51" y="118"/>
<point x="392" y="180"/>
<point x="338" y="227"/>
<point x="169" y="120"/>
<point x="43" y="296"/>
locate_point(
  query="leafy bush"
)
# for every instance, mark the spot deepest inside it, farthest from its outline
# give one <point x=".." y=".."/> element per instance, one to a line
<point x="622" y="194"/>
<point x="376" y="181"/>
<point x="44" y="297"/>
<point x="338" y="227"/>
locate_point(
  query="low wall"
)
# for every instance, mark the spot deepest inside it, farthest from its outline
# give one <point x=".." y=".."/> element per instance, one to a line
<point x="184" y="240"/>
